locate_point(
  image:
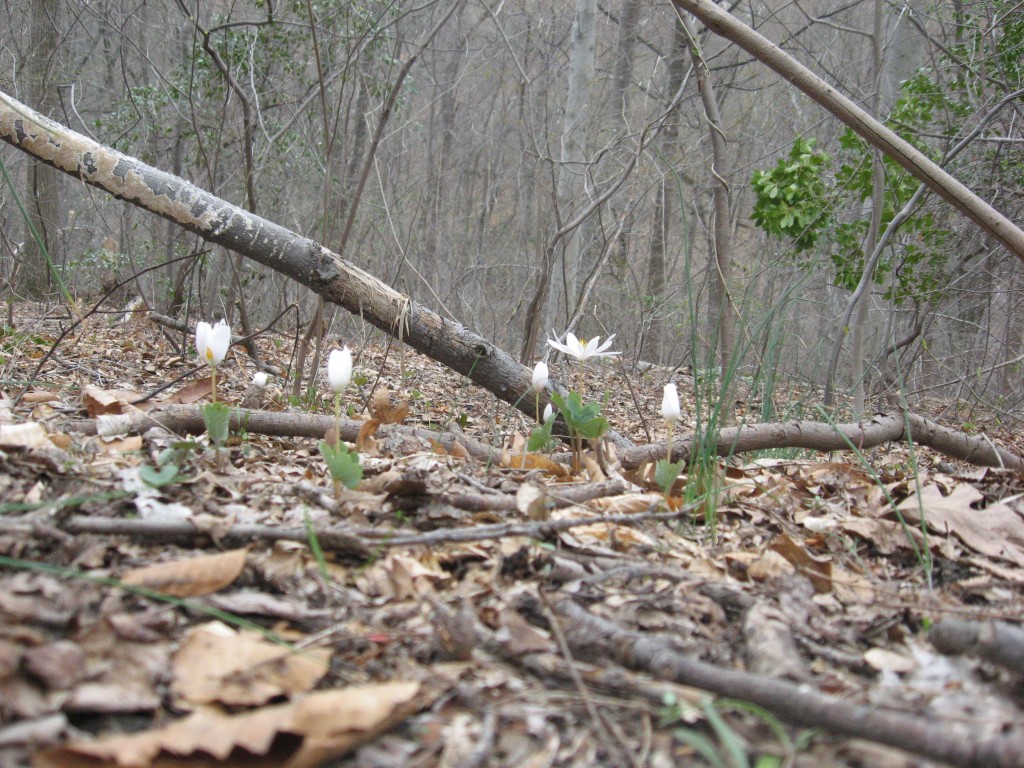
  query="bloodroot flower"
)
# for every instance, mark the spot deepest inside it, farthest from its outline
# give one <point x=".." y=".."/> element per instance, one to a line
<point x="540" y="376"/>
<point x="339" y="369"/>
<point x="212" y="342"/>
<point x="670" y="410"/>
<point x="583" y="350"/>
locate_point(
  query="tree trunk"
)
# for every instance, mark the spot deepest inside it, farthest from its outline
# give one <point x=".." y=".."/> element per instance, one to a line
<point x="622" y="71"/>
<point x="557" y="289"/>
<point x="665" y="199"/>
<point x="42" y="199"/>
<point x="720" y="305"/>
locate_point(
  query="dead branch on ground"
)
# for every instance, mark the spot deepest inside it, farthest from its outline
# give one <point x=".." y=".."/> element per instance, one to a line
<point x="596" y="639"/>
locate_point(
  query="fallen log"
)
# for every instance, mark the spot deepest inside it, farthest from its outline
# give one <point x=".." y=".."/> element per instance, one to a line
<point x="821" y="436"/>
<point x="811" y="435"/>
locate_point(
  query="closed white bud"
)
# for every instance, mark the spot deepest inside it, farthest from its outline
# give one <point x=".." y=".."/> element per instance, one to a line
<point x="339" y="369"/>
<point x="540" y="376"/>
<point x="259" y="379"/>
<point x="670" y="410"/>
<point x="548" y="412"/>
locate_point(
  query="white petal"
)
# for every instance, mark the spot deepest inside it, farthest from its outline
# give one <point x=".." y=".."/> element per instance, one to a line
<point x="607" y="343"/>
<point x="218" y="342"/>
<point x="560" y="347"/>
<point x="670" y="410"/>
<point x="339" y="369"/>
<point x="540" y="376"/>
<point x="203" y="331"/>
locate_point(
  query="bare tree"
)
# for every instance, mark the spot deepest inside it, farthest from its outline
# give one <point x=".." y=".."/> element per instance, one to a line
<point x="41" y="253"/>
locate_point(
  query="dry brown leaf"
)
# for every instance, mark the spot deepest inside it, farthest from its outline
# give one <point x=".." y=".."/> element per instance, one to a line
<point x="410" y="578"/>
<point x="192" y="392"/>
<point x="364" y="441"/>
<point x="98" y="401"/>
<point x="618" y="538"/>
<point x="888" y="536"/>
<point x="531" y="500"/>
<point x="818" y="571"/>
<point x="119" y="444"/>
<point x="534" y="461"/>
<point x="31" y="434"/>
<point x="383" y="410"/>
<point x="217" y="664"/>
<point x="628" y="504"/>
<point x="519" y="636"/>
<point x="188" y="578"/>
<point x="122" y="672"/>
<point x="40" y="397"/>
<point x="996" y="530"/>
<point x="761" y="566"/>
<point x="328" y="724"/>
<point x="458" y="450"/>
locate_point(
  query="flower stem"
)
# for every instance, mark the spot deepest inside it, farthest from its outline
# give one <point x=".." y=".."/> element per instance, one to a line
<point x="213" y="383"/>
<point x="337" y="415"/>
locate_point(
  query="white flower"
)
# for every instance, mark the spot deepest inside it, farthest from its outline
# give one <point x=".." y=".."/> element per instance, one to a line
<point x="548" y="412"/>
<point x="212" y="342"/>
<point x="259" y="379"/>
<point x="670" y="410"/>
<point x="339" y="369"/>
<point x="583" y="350"/>
<point x="540" y="376"/>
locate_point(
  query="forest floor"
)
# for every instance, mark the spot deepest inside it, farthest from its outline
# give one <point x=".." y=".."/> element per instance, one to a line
<point x="162" y="604"/>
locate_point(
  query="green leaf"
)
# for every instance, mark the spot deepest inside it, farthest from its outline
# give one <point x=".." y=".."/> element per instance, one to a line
<point x="592" y="428"/>
<point x="540" y="437"/>
<point x="666" y="472"/>
<point x="342" y="463"/>
<point x="217" y="417"/>
<point x="158" y="478"/>
<point x="582" y="419"/>
<point x="700" y="744"/>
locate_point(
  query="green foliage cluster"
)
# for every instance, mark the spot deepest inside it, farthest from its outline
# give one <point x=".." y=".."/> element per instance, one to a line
<point x="342" y="462"/>
<point x="583" y="420"/>
<point x="791" y="198"/>
<point x="796" y="200"/>
<point x="920" y="261"/>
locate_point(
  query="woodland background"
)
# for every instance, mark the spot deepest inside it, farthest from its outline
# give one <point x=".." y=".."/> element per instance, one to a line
<point x="525" y="167"/>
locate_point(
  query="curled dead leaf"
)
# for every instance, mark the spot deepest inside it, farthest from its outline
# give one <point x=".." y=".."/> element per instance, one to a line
<point x="386" y="410"/>
<point x="217" y="664"/>
<point x="300" y="734"/>
<point x="817" y="570"/>
<point x="534" y="461"/>
<point x="201" y="575"/>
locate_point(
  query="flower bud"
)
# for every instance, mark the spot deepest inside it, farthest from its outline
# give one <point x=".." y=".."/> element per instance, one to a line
<point x="670" y="410"/>
<point x="339" y="369"/>
<point x="540" y="376"/>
